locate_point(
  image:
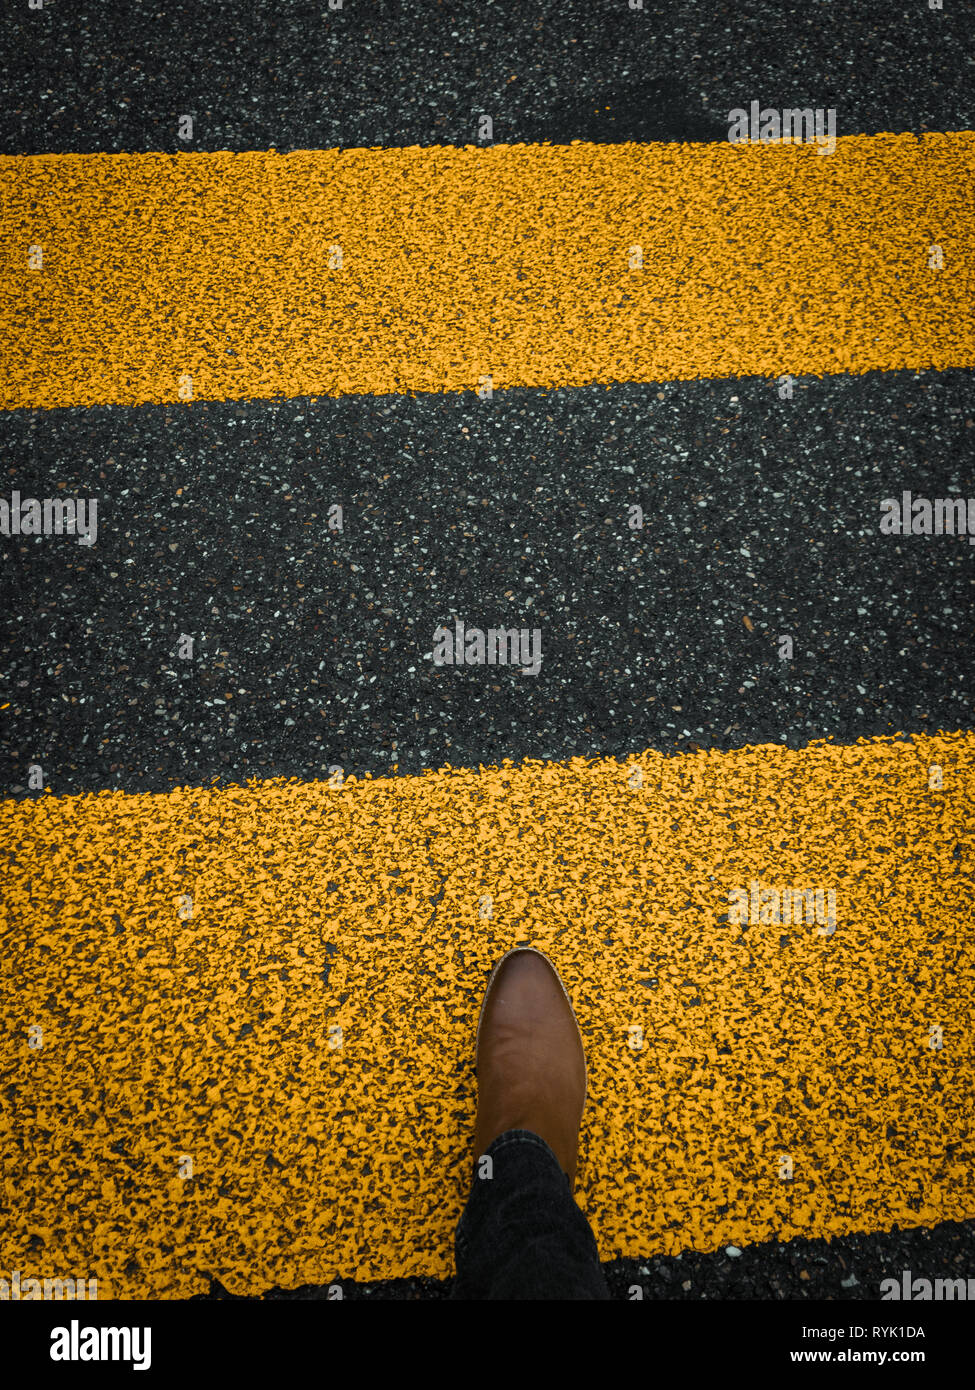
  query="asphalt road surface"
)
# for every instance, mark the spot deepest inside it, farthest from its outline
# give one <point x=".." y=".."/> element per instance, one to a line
<point x="244" y="807"/>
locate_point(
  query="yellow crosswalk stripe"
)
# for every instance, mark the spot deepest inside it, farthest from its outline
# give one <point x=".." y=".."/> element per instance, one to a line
<point x="157" y="278"/>
<point x="239" y="1023"/>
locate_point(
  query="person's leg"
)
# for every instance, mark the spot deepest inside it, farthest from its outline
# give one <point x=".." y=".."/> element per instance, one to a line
<point x="521" y="1235"/>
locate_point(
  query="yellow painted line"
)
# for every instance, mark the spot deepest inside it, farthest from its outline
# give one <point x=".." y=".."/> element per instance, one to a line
<point x="229" y="276"/>
<point x="171" y="951"/>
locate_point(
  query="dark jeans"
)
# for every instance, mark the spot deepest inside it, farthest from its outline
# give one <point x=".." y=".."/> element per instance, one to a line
<point x="521" y="1235"/>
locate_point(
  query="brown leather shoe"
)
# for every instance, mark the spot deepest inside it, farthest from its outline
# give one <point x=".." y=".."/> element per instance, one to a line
<point x="531" y="1065"/>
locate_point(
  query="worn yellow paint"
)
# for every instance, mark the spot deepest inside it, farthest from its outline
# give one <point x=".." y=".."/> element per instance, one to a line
<point x="329" y="1123"/>
<point x="208" y="277"/>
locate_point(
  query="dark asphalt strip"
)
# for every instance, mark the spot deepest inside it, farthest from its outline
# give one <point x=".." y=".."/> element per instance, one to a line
<point x="312" y="648"/>
<point x="84" y="78"/>
<point x="849" y="1269"/>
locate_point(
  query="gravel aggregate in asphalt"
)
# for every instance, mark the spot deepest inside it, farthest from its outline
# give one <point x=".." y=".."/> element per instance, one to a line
<point x="850" y="1269"/>
<point x="300" y="76"/>
<point x="315" y="647"/>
